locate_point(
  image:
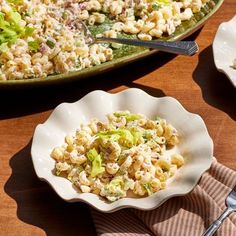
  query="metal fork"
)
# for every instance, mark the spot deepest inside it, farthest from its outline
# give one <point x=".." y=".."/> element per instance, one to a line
<point x="231" y="207"/>
<point x="187" y="48"/>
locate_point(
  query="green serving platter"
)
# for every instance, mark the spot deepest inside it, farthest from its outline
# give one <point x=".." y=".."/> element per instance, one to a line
<point x="123" y="55"/>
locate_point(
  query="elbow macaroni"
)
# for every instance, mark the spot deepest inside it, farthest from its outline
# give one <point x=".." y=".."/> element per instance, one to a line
<point x="125" y="154"/>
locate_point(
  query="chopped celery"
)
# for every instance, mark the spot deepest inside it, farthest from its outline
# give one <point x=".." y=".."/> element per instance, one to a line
<point x="15" y="2"/>
<point x="97" y="166"/>
<point x="148" y="188"/>
<point x="91" y="154"/>
<point x="10" y="27"/>
<point x="33" y="46"/>
<point x="128" y="116"/>
<point x="29" y="31"/>
<point x="125" y="137"/>
<point x="96" y="160"/>
<point x="4" y="47"/>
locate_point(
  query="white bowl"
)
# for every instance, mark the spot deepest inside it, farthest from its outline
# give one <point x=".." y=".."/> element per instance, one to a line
<point x="224" y="49"/>
<point x="196" y="144"/>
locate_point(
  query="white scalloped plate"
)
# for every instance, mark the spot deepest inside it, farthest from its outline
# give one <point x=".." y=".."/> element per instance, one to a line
<point x="224" y="49"/>
<point x="196" y="144"/>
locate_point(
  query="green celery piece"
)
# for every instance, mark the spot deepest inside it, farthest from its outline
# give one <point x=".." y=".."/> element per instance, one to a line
<point x="164" y="2"/>
<point x="148" y="134"/>
<point x="4" y="47"/>
<point x="10" y="27"/>
<point x="128" y="117"/>
<point x="97" y="166"/>
<point x="120" y="113"/>
<point x="116" y="182"/>
<point x="91" y="154"/>
<point x="137" y="135"/>
<point x="132" y="117"/>
<point x="14" y="20"/>
<point x="158" y="3"/>
<point x="15" y="2"/>
<point x="8" y="36"/>
<point x="15" y="17"/>
<point x="124" y="136"/>
<point x="96" y="160"/>
<point x="29" y="31"/>
<point x="109" y="135"/>
<point x="33" y="46"/>
<point x="147" y="186"/>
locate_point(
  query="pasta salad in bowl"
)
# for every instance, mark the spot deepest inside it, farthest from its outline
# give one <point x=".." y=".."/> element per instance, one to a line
<point x="125" y="153"/>
<point x="42" y="38"/>
<point x="147" y="150"/>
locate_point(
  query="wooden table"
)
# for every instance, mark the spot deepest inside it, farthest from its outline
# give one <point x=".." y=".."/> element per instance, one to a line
<point x="29" y="206"/>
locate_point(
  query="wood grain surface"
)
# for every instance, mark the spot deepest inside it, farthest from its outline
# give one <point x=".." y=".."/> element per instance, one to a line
<point x="29" y="206"/>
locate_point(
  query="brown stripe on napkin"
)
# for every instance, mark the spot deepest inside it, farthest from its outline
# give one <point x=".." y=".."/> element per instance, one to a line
<point x="187" y="215"/>
<point x="123" y="222"/>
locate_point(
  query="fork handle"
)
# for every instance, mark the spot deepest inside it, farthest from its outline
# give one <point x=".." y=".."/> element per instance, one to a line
<point x="217" y="223"/>
<point x="188" y="48"/>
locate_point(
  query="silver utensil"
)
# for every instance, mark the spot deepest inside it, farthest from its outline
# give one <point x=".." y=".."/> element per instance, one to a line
<point x="231" y="207"/>
<point x="187" y="48"/>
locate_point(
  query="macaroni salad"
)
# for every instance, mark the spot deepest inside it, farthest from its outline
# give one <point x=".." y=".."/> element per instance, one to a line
<point x="44" y="37"/>
<point x="125" y="154"/>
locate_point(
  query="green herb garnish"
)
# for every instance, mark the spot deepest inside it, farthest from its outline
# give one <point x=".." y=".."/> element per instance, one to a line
<point x="155" y="7"/>
<point x="50" y="44"/>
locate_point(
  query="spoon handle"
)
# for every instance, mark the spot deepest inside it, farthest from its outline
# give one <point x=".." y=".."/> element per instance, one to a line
<point x="188" y="48"/>
<point x="217" y="223"/>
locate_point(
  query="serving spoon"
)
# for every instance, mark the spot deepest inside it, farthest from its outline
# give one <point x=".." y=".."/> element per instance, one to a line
<point x="187" y="48"/>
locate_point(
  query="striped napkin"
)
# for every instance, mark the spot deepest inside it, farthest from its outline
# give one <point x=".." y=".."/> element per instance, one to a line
<point x="187" y="215"/>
